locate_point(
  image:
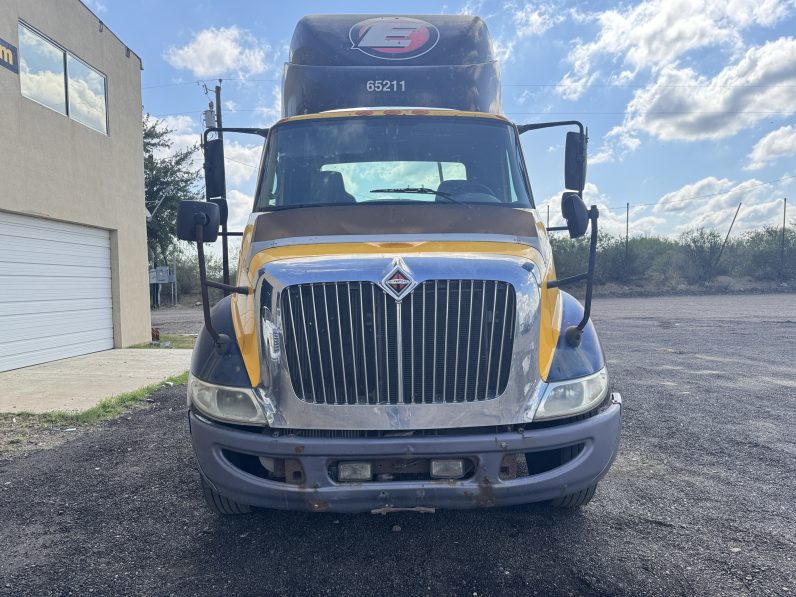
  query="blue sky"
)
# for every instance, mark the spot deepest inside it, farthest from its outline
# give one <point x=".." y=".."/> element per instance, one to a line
<point x="690" y="105"/>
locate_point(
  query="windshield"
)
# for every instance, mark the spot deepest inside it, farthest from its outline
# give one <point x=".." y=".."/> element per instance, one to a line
<point x="445" y="159"/>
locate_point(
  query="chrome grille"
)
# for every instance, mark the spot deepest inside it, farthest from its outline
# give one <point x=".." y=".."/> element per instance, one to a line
<point x="351" y="343"/>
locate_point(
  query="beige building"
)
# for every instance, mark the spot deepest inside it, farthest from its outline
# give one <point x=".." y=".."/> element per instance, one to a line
<point x="73" y="253"/>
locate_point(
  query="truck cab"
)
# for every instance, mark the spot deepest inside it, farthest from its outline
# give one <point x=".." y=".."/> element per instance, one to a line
<point x="396" y="338"/>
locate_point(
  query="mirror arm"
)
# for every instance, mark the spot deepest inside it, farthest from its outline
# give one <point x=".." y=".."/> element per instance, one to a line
<point x="574" y="333"/>
<point x="557" y="228"/>
<point x="228" y="287"/>
<point x="221" y="340"/>
<point x="226" y="129"/>
<point x="567" y="280"/>
<point x="546" y="125"/>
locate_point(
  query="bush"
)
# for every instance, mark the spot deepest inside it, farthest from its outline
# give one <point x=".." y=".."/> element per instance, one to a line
<point x="691" y="258"/>
<point x="701" y="248"/>
<point x="759" y="254"/>
<point x="188" y="272"/>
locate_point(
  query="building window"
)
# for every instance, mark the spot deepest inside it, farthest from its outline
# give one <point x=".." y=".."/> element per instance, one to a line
<point x="42" y="70"/>
<point x="86" y="94"/>
<point x="53" y="77"/>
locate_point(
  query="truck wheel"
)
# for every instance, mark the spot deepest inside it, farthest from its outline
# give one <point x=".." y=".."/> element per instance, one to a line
<point x="575" y="500"/>
<point x="219" y="504"/>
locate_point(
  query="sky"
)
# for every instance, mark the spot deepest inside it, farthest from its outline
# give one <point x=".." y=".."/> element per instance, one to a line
<point x="689" y="104"/>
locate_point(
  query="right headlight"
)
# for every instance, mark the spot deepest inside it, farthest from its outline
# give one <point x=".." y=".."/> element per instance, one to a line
<point x="233" y="405"/>
<point x="573" y="396"/>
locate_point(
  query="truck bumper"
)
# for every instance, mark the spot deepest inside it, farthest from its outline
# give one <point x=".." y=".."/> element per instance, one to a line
<point x="598" y="436"/>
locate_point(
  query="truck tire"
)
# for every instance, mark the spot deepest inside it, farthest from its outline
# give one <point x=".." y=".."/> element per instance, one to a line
<point x="219" y="504"/>
<point x="575" y="500"/>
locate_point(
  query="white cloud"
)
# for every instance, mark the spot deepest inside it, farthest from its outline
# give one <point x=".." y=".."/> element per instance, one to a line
<point x="534" y="19"/>
<point x="242" y="161"/>
<point x="472" y="7"/>
<point x="776" y="144"/>
<point x="240" y="208"/>
<point x="181" y="124"/>
<point x="271" y="112"/>
<point x="97" y="6"/>
<point x="656" y="33"/>
<point x="683" y="106"/>
<point x="503" y="48"/>
<point x="617" y="143"/>
<point x="710" y="203"/>
<point x="221" y="51"/>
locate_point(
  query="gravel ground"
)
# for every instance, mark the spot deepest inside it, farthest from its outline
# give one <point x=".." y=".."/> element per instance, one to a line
<point x="177" y="320"/>
<point x="699" y="501"/>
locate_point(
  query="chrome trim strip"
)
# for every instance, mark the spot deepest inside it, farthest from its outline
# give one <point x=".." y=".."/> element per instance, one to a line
<point x="318" y="344"/>
<point x="375" y="343"/>
<point x="329" y="339"/>
<point x="340" y="336"/>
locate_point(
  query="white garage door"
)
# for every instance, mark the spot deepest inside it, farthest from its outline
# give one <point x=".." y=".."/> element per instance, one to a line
<point x="55" y="291"/>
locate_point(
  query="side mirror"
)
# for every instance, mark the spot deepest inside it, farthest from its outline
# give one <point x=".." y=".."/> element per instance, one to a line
<point x="215" y="179"/>
<point x="223" y="209"/>
<point x="575" y="213"/>
<point x="191" y="213"/>
<point x="575" y="162"/>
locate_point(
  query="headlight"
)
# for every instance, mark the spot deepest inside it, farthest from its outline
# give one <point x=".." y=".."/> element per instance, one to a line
<point x="572" y="397"/>
<point x="234" y="405"/>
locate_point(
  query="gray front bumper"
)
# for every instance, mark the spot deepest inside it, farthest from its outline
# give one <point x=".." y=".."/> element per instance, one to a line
<point x="599" y="434"/>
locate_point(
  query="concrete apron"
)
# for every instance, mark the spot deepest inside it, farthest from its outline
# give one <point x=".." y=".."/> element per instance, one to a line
<point x="78" y="383"/>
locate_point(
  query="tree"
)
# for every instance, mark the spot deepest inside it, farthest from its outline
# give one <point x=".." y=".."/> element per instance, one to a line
<point x="169" y="177"/>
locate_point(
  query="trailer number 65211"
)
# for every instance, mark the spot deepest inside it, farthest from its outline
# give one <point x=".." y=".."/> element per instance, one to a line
<point x="386" y="86"/>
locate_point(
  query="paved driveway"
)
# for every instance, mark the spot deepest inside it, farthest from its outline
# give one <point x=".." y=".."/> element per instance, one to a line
<point x="81" y="382"/>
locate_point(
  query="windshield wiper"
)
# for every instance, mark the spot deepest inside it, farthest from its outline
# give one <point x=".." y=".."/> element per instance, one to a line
<point x="419" y="191"/>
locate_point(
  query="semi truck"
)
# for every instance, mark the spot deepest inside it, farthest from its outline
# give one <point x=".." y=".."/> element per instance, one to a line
<point x="397" y="337"/>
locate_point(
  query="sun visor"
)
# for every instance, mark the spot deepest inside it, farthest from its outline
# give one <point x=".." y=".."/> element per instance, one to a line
<point x="354" y="61"/>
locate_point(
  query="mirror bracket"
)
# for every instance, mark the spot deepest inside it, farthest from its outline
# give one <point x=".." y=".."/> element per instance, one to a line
<point x="573" y="333"/>
<point x="221" y="341"/>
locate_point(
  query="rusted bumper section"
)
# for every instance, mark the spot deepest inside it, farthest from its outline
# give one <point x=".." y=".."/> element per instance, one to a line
<point x="599" y="436"/>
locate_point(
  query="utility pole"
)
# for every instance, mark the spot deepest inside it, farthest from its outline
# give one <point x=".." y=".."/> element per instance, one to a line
<point x="224" y="247"/>
<point x="627" y="235"/>
<point x="782" y="242"/>
<point x="726" y="238"/>
<point x="548" y="215"/>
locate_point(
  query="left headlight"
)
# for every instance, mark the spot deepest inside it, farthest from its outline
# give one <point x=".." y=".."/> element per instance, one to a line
<point x="572" y="397"/>
<point x="233" y="405"/>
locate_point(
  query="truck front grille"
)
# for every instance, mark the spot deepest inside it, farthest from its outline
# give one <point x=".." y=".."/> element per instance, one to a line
<point x="351" y="343"/>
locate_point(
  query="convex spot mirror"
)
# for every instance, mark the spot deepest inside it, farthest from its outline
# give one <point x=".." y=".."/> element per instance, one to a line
<point x="575" y="213"/>
<point x="191" y="213"/>
<point x="575" y="162"/>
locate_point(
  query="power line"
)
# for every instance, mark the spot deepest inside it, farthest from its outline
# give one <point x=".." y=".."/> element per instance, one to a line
<point x="241" y="163"/>
<point x="199" y="81"/>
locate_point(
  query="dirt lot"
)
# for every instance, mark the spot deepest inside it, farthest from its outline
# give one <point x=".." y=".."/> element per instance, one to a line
<point x="700" y="500"/>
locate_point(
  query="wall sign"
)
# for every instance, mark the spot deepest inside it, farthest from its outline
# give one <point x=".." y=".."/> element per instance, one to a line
<point x="8" y="56"/>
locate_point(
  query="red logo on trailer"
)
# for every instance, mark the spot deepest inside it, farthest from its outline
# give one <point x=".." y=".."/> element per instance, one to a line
<point x="393" y="38"/>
